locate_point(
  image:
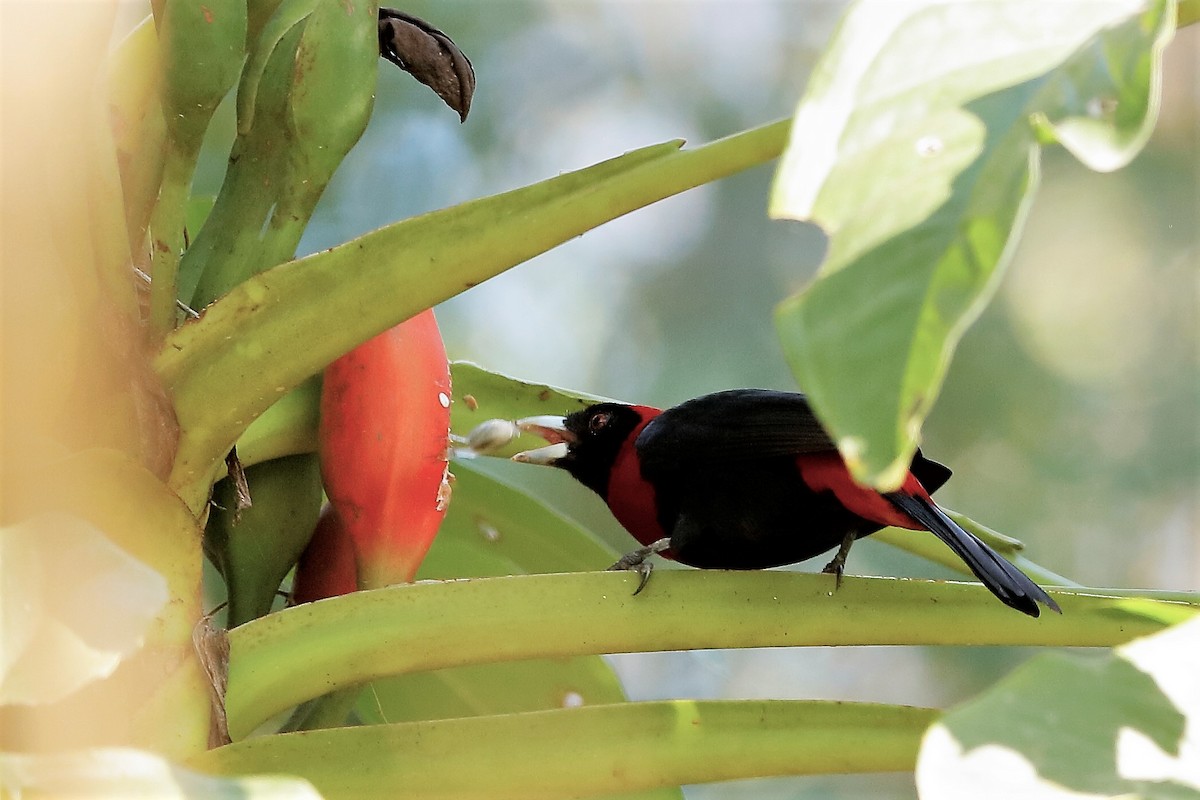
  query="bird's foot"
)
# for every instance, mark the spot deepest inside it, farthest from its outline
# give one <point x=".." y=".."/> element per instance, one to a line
<point x="635" y="561"/>
<point x="837" y="564"/>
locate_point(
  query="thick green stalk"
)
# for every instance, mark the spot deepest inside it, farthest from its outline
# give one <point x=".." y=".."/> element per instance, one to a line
<point x="587" y="751"/>
<point x="287" y="428"/>
<point x="166" y="234"/>
<point x="307" y="108"/>
<point x="138" y="126"/>
<point x="286" y="658"/>
<point x="201" y="48"/>
<point x="289" y="322"/>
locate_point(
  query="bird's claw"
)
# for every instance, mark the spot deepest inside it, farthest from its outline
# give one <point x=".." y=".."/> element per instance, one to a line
<point x="837" y="564"/>
<point x="635" y="561"/>
<point x="835" y="568"/>
<point x="643" y="570"/>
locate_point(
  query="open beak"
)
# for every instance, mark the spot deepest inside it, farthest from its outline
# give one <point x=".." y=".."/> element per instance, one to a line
<point x="553" y="430"/>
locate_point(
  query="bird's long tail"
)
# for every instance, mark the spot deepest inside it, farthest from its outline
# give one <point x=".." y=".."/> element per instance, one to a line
<point x="1013" y="587"/>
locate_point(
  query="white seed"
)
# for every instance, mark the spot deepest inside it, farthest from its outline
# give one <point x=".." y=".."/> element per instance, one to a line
<point x="491" y="435"/>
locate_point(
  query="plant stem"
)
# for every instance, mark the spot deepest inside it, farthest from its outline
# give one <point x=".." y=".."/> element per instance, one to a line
<point x="166" y="244"/>
<point x="589" y="750"/>
<point x="291" y="321"/>
<point x="283" y="659"/>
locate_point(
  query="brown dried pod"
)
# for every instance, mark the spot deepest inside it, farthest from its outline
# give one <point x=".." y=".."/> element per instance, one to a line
<point x="424" y="52"/>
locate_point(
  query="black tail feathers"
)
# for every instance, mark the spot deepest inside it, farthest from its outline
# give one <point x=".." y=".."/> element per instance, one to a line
<point x="1009" y="584"/>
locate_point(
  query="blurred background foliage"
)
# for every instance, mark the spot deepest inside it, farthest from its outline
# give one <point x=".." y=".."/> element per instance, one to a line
<point x="1071" y="413"/>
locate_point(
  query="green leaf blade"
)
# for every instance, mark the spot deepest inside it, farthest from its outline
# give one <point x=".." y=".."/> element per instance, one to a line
<point x="510" y="532"/>
<point x="923" y="170"/>
<point x="1063" y="725"/>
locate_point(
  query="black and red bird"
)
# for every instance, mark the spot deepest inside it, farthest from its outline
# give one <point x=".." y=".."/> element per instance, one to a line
<point x="748" y="479"/>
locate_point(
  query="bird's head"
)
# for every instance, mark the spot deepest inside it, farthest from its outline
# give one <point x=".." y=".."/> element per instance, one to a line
<point x="585" y="443"/>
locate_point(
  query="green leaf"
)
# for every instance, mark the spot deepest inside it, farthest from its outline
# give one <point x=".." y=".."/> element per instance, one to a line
<point x="586" y="751"/>
<point x="203" y="47"/>
<point x="199" y="206"/>
<point x="285" y="658"/>
<point x="1060" y="726"/>
<point x="492" y="529"/>
<point x="916" y="148"/>
<point x="480" y="394"/>
<point x="117" y="772"/>
<point x="290" y="321"/>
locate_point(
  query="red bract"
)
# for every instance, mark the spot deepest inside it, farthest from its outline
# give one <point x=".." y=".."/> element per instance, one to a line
<point x="326" y="568"/>
<point x="384" y="434"/>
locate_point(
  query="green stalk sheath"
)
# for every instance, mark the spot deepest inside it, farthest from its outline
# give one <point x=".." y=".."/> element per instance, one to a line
<point x="289" y="322"/>
<point x="286" y="658"/>
<point x="231" y="234"/>
<point x="589" y="750"/>
<point x="166" y="236"/>
<point x="201" y="49"/>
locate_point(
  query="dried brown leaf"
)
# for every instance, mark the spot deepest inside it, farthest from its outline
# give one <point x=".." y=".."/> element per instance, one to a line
<point x="429" y="55"/>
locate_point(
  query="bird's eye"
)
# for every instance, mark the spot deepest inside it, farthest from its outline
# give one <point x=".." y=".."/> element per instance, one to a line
<point x="599" y="422"/>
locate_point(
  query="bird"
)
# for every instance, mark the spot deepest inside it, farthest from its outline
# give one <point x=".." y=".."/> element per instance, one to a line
<point x="747" y="479"/>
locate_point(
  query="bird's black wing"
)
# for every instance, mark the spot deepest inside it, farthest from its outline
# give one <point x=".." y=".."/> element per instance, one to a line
<point x="735" y="425"/>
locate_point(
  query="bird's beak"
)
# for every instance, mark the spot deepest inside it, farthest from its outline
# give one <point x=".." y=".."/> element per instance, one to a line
<point x="553" y="430"/>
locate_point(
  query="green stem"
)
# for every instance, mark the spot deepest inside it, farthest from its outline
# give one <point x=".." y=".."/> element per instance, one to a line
<point x="289" y="322"/>
<point x="589" y="750"/>
<point x="285" y="429"/>
<point x="283" y="659"/>
<point x="166" y="246"/>
<point x="231" y="237"/>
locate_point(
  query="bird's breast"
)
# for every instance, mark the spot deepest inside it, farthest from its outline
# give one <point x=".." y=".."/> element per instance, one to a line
<point x="632" y="499"/>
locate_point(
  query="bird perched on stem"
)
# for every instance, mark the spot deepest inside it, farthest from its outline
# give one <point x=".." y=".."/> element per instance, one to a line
<point x="748" y="479"/>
